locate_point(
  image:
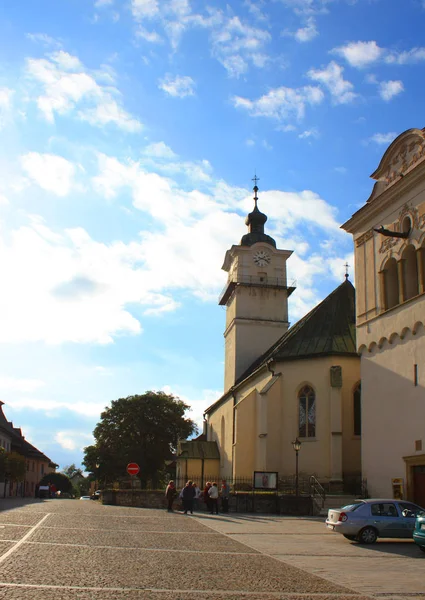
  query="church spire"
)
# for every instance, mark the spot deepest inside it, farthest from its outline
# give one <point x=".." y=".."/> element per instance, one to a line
<point x="255" y="222"/>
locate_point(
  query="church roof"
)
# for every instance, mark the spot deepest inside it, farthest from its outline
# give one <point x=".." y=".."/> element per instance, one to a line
<point x="328" y="329"/>
<point x="197" y="449"/>
<point x="255" y="222"/>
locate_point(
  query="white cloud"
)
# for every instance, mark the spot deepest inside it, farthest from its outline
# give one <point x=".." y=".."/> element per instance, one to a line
<point x="67" y="85"/>
<point x="389" y="89"/>
<point x="383" y="138"/>
<point x="73" y="440"/>
<point x="306" y="33"/>
<point x="406" y="57"/>
<point x="3" y="200"/>
<point x="159" y="150"/>
<point x="44" y="40"/>
<point x="281" y="103"/>
<point x="144" y="9"/>
<point x="14" y="384"/>
<point x="309" y="133"/>
<point x="52" y="173"/>
<point x="150" y="36"/>
<point x="332" y="78"/>
<point x="360" y="54"/>
<point x="178" y="86"/>
<point x="236" y="45"/>
<point x="363" y="54"/>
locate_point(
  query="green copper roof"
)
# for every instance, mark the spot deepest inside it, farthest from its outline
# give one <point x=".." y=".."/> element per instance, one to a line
<point x="328" y="329"/>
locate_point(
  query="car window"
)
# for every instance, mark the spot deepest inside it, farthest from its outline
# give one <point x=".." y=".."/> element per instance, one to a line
<point x="384" y="509"/>
<point x="352" y="507"/>
<point x="413" y="508"/>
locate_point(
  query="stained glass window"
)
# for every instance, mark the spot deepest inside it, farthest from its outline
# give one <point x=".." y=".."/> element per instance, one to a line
<point x="307" y="412"/>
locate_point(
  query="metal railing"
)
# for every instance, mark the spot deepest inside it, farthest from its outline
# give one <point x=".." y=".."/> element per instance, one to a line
<point x="317" y="492"/>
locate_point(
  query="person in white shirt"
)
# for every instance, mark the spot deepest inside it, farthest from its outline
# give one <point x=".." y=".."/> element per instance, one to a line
<point x="213" y="494"/>
<point x="198" y="495"/>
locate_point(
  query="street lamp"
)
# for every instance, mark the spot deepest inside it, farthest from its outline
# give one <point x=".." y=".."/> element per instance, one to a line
<point x="296" y="444"/>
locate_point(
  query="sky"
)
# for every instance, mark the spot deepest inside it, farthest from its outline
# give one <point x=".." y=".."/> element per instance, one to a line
<point x="130" y="133"/>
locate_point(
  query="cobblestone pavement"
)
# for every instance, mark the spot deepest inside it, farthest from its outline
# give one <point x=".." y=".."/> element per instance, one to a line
<point x="389" y="569"/>
<point x="72" y="549"/>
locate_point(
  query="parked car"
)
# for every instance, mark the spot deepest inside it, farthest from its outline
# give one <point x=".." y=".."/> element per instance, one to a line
<point x="419" y="532"/>
<point x="96" y="495"/>
<point x="85" y="498"/>
<point x="366" y="520"/>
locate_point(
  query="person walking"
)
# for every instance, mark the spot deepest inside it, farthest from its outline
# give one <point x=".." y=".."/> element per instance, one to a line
<point x="188" y="496"/>
<point x="207" y="498"/>
<point x="213" y="494"/>
<point x="225" y="493"/>
<point x="170" y="494"/>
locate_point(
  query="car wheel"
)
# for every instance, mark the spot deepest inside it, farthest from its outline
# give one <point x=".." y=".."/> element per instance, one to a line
<point x="368" y="535"/>
<point x="349" y="537"/>
<point x="422" y="548"/>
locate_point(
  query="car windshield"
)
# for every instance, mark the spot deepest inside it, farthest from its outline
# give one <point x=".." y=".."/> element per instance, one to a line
<point x="352" y="507"/>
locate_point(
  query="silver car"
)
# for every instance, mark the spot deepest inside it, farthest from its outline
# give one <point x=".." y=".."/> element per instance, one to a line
<point x="366" y="520"/>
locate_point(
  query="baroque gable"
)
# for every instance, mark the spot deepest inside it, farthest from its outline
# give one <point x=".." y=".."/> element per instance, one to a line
<point x="405" y="152"/>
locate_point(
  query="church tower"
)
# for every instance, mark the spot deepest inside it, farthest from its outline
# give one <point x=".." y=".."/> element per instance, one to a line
<point x="255" y="296"/>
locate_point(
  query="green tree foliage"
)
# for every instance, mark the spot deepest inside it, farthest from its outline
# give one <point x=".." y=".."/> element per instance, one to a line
<point x="15" y="466"/>
<point x="72" y="471"/>
<point x="60" y="480"/>
<point x="142" y="429"/>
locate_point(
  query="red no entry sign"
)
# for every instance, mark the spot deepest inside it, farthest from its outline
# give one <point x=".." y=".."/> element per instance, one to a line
<point x="133" y="468"/>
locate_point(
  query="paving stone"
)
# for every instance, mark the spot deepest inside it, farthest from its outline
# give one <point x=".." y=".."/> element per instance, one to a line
<point x="13" y="532"/>
<point x="140" y="523"/>
<point x="19" y="517"/>
<point x="139" y="539"/>
<point x="8" y="593"/>
<point x="143" y="568"/>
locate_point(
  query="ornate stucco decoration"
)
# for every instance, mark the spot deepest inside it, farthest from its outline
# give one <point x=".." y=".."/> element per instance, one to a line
<point x="388" y="243"/>
<point x="402" y="155"/>
<point x="408" y="211"/>
<point x="363" y="238"/>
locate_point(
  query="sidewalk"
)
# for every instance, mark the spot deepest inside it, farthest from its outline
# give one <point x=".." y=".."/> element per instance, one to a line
<point x="389" y="568"/>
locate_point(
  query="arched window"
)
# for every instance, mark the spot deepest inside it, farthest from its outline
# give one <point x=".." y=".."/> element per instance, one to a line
<point x="410" y="273"/>
<point x="391" y="283"/>
<point x="357" y="409"/>
<point x="307" y="412"/>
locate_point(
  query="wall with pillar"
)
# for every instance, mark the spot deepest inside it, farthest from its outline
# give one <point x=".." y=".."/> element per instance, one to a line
<point x="267" y="420"/>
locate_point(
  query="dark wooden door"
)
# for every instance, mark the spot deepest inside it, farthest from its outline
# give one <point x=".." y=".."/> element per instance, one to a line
<point x="419" y="485"/>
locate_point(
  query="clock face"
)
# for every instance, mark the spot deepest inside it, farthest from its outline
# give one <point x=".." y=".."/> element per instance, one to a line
<point x="261" y="258"/>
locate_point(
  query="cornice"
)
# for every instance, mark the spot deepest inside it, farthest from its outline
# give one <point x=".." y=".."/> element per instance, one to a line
<point x="385" y="200"/>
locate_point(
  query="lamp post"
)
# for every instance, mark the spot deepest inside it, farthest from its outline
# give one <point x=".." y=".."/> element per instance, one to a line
<point x="296" y="444"/>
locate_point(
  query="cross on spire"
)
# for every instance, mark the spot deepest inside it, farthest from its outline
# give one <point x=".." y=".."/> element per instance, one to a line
<point x="346" y="270"/>
<point x="255" y="179"/>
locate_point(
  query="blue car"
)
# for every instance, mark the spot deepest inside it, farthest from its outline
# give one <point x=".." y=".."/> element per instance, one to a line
<point x="419" y="531"/>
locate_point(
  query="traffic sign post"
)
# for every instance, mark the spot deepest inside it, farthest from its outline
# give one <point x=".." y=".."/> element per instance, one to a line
<point x="133" y="469"/>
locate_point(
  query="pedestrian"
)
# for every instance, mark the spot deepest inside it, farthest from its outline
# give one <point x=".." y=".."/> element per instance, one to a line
<point x="198" y="495"/>
<point x="225" y="493"/>
<point x="207" y="498"/>
<point x="213" y="494"/>
<point x="188" y="496"/>
<point x="170" y="494"/>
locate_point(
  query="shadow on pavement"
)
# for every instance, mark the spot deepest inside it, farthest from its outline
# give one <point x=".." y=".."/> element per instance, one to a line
<point x="9" y="503"/>
<point x="406" y="548"/>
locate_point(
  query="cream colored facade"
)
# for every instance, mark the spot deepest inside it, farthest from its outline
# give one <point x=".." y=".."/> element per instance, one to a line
<point x="255" y="425"/>
<point x="390" y="285"/>
<point x="258" y="308"/>
<point x="261" y="412"/>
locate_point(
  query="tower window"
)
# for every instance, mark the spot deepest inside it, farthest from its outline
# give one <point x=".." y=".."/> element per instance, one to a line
<point x="307" y="412"/>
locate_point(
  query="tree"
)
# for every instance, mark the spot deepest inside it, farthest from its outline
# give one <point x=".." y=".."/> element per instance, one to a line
<point x="72" y="471"/>
<point x="15" y="466"/>
<point x="142" y="429"/>
<point x="60" y="480"/>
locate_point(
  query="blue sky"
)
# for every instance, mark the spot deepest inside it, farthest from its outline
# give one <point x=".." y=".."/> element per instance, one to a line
<point x="130" y="134"/>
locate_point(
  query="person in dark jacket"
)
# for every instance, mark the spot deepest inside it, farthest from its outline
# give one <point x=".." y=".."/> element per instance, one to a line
<point x="170" y="494"/>
<point x="188" y="494"/>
